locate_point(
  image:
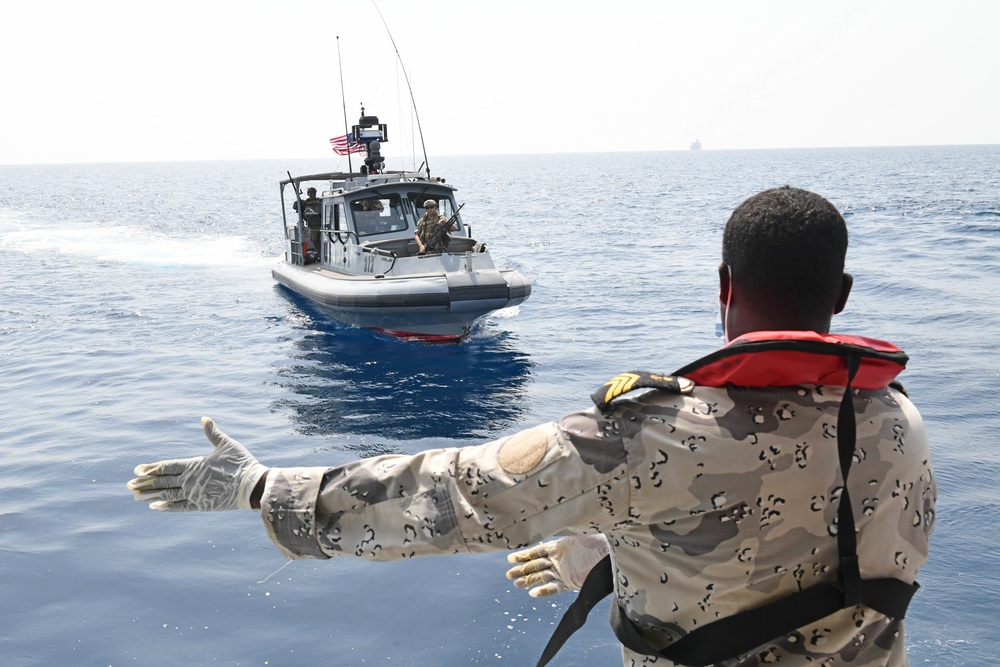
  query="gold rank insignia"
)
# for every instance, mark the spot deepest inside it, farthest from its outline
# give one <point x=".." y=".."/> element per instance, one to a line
<point x="626" y="382"/>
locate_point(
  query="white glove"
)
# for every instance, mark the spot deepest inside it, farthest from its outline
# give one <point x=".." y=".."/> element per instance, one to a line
<point x="223" y="480"/>
<point x="557" y="566"/>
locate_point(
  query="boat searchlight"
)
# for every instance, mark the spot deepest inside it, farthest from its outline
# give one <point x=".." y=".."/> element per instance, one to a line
<point x="371" y="133"/>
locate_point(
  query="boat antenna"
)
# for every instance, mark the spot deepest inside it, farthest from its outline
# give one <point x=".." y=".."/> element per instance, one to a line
<point x="343" y="101"/>
<point x="413" y="102"/>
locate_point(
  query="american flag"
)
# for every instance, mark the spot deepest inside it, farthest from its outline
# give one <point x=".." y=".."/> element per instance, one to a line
<point x="345" y="144"/>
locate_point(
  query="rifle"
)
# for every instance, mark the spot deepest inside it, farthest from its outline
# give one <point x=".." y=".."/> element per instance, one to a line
<point x="441" y="231"/>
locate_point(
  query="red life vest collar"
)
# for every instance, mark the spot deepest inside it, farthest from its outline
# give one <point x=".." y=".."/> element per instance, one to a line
<point x="785" y="358"/>
<point x="773" y="359"/>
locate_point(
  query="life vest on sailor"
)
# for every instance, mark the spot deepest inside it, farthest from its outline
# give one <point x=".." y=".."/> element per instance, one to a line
<point x="764" y="359"/>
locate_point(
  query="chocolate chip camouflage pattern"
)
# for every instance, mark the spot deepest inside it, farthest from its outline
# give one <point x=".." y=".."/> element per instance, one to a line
<point x="716" y="500"/>
<point x="735" y="503"/>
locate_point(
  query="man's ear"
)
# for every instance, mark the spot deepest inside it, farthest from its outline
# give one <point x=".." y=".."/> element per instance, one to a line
<point x="845" y="291"/>
<point x="724" y="282"/>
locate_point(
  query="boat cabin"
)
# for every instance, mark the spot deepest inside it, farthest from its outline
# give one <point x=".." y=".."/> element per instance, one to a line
<point x="354" y="214"/>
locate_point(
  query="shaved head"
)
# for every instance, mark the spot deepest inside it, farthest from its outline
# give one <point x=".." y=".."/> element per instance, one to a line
<point x="786" y="249"/>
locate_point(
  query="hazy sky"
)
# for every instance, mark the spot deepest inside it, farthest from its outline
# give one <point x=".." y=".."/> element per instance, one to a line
<point x="137" y="80"/>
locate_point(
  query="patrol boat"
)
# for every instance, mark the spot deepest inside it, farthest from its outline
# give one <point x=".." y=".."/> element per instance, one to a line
<point x="351" y="249"/>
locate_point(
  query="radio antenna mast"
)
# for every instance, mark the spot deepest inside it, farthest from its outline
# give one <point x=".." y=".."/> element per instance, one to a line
<point x="413" y="102"/>
<point x="343" y="101"/>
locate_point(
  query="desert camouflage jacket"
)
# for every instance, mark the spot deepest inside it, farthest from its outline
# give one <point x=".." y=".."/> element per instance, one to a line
<point x="714" y="499"/>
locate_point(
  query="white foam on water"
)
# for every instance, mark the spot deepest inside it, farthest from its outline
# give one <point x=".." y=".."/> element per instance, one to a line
<point x="506" y="313"/>
<point x="126" y="244"/>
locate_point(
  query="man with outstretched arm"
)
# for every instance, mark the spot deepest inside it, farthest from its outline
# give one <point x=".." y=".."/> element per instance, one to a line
<point x="718" y="494"/>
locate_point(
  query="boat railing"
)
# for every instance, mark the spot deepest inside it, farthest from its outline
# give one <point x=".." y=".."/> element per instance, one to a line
<point x="379" y="252"/>
<point x="339" y="180"/>
<point x="342" y="236"/>
<point x="407" y="247"/>
<point x="394" y="246"/>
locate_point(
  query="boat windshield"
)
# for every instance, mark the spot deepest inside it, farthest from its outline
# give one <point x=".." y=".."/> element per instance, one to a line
<point x="445" y="205"/>
<point x="378" y="215"/>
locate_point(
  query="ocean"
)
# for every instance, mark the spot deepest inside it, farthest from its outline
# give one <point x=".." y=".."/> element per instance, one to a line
<point x="138" y="297"/>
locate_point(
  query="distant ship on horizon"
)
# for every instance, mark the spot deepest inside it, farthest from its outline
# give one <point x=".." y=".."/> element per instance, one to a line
<point x="696" y="146"/>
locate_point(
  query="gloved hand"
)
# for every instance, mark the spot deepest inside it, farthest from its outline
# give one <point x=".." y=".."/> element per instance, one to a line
<point x="557" y="566"/>
<point x="223" y="480"/>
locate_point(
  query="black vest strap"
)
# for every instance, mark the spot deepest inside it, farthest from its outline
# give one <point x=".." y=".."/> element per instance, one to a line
<point x="742" y="632"/>
<point x="721" y="640"/>
<point x="598" y="585"/>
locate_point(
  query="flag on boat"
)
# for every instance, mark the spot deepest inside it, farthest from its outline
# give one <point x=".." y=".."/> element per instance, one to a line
<point x="345" y="144"/>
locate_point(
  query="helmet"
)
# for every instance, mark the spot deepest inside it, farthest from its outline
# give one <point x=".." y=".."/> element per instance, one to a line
<point x="430" y="202"/>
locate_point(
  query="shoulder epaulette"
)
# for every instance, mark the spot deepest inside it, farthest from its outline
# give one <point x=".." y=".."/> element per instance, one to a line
<point x="626" y="382"/>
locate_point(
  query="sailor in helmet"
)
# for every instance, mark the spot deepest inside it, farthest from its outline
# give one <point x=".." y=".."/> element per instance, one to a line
<point x="431" y="235"/>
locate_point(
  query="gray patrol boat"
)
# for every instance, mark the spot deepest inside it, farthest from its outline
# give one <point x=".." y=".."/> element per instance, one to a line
<point x="351" y="250"/>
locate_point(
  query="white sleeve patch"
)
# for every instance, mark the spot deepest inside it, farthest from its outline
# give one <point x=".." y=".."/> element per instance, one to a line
<point x="525" y="450"/>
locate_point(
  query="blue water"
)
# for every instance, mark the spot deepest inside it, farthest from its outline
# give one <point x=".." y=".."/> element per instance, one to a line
<point x="138" y="297"/>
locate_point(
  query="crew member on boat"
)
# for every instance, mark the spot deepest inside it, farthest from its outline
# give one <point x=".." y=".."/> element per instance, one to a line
<point x="428" y="229"/>
<point x="311" y="215"/>
<point x="714" y="493"/>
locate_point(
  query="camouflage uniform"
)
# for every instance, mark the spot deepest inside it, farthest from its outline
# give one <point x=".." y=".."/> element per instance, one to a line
<point x="312" y="216"/>
<point x="714" y="500"/>
<point x="425" y="228"/>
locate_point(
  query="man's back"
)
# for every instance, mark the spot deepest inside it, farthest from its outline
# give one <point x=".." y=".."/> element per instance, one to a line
<point x="734" y="500"/>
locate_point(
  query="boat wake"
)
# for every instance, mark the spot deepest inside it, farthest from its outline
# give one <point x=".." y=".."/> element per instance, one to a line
<point x="129" y="245"/>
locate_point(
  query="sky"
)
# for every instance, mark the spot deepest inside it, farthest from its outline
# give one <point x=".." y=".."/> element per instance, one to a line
<point x="137" y="81"/>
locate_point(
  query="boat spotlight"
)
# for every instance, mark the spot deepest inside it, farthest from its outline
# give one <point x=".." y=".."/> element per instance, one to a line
<point x="374" y="161"/>
<point x="371" y="133"/>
